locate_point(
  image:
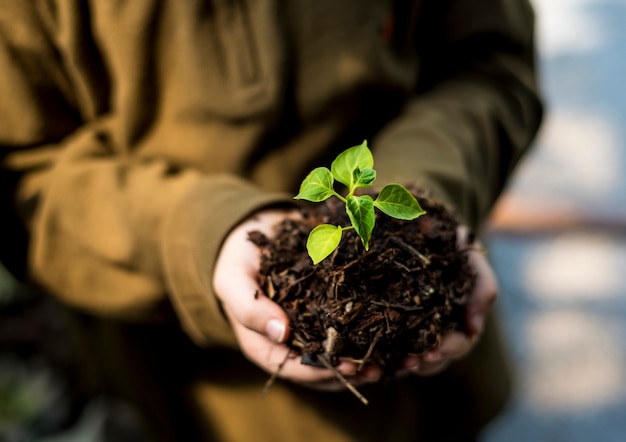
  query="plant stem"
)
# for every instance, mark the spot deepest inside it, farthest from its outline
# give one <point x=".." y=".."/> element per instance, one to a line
<point x="343" y="199"/>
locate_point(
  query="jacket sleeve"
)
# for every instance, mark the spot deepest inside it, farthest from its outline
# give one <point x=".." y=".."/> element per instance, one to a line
<point x="477" y="105"/>
<point x="107" y="231"/>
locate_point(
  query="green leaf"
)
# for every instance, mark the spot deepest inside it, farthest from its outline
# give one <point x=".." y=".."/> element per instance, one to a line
<point x="361" y="212"/>
<point x="396" y="201"/>
<point x="322" y="241"/>
<point x="364" y="178"/>
<point x="357" y="157"/>
<point x="317" y="186"/>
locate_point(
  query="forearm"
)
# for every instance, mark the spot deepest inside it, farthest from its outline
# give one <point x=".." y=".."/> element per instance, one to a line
<point x="475" y="114"/>
<point x="121" y="237"/>
<point x="111" y="227"/>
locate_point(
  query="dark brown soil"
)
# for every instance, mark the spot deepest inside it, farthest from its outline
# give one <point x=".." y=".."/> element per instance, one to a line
<point x="372" y="306"/>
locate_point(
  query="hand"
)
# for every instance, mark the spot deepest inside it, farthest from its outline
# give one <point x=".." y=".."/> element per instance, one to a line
<point x="456" y="345"/>
<point x="260" y="325"/>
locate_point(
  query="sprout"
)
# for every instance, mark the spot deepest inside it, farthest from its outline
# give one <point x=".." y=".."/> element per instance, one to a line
<point x="353" y="168"/>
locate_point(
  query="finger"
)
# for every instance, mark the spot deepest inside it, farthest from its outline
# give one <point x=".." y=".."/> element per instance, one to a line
<point x="249" y="307"/>
<point x="410" y="365"/>
<point x="280" y="360"/>
<point x="367" y="375"/>
<point x="484" y="294"/>
<point x="294" y="369"/>
<point x="485" y="289"/>
<point x="454" y="345"/>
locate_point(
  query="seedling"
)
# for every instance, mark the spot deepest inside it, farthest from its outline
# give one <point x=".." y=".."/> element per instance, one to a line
<point x="353" y="168"/>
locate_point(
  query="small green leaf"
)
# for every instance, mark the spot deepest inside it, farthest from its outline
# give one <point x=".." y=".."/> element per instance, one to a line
<point x="364" y="178"/>
<point x="317" y="186"/>
<point x="357" y="157"/>
<point x="396" y="201"/>
<point x="361" y="212"/>
<point x="322" y="241"/>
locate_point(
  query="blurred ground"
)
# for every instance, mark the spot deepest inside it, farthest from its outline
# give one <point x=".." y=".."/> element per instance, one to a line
<point x="557" y="240"/>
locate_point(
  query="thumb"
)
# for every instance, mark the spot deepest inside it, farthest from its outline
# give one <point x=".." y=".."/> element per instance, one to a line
<point x="249" y="307"/>
<point x="235" y="283"/>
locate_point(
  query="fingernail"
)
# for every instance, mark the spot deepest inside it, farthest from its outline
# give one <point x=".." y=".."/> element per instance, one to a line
<point x="275" y="330"/>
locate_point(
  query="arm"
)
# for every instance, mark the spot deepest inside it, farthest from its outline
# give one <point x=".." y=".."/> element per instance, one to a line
<point x="476" y="110"/>
<point x="477" y="106"/>
<point x="110" y="230"/>
<point x="114" y="230"/>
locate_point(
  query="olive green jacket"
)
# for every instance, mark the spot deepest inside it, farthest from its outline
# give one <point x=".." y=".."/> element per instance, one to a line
<point x="135" y="134"/>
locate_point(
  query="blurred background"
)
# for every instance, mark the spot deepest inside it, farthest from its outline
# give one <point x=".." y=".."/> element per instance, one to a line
<point x="558" y="237"/>
<point x="557" y="240"/>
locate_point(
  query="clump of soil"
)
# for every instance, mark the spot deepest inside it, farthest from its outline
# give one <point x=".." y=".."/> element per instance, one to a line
<point x="372" y="306"/>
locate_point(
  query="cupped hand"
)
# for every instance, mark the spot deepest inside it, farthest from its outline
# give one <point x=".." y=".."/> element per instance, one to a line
<point x="456" y="345"/>
<point x="261" y="325"/>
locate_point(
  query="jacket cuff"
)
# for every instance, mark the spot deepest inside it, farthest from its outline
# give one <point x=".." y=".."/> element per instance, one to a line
<point x="192" y="236"/>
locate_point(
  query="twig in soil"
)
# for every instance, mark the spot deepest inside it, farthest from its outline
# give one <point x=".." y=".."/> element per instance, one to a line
<point x="299" y="280"/>
<point x="409" y="248"/>
<point x="271" y="290"/>
<point x="368" y="354"/>
<point x="406" y="308"/>
<point x="324" y="360"/>
<point x="346" y="266"/>
<point x="272" y="379"/>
